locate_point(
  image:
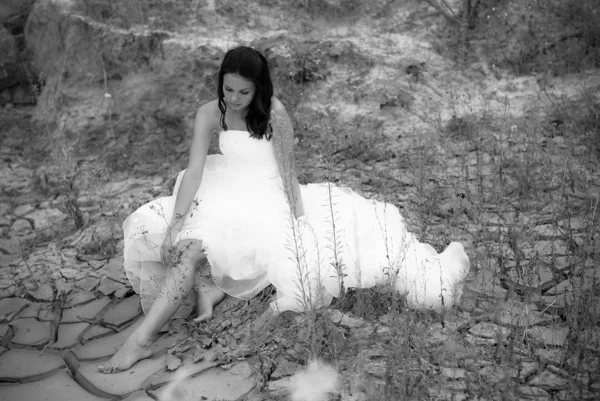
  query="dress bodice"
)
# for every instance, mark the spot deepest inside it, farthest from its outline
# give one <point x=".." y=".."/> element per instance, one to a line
<point x="240" y="148"/>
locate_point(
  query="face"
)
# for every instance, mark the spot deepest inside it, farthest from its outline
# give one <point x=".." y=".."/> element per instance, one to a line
<point x="238" y="92"/>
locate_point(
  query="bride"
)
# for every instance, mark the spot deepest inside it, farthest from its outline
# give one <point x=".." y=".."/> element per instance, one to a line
<point x="244" y="213"/>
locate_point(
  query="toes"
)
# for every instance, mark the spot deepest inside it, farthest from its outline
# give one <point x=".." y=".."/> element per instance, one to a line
<point x="203" y="317"/>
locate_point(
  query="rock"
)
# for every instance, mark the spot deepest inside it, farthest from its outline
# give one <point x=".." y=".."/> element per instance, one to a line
<point x="526" y="369"/>
<point x="548" y="380"/>
<point x="43" y="292"/>
<point x="489" y="330"/>
<point x="56" y="26"/>
<point x="351" y="322"/>
<point x="46" y="218"/>
<point x="21" y="227"/>
<point x="68" y="273"/>
<point x="285" y="368"/>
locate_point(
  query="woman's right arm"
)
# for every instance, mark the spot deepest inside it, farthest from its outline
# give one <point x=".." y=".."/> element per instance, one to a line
<point x="192" y="177"/>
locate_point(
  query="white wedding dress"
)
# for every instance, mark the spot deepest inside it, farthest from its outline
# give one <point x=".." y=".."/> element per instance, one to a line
<point x="251" y="239"/>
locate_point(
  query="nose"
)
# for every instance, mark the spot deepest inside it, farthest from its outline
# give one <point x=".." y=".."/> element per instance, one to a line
<point x="234" y="99"/>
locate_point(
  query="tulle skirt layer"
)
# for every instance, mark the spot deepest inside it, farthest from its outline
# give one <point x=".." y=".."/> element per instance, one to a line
<point x="251" y="240"/>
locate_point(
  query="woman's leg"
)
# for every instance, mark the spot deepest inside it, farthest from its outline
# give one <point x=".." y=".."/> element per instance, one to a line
<point x="208" y="296"/>
<point x="179" y="280"/>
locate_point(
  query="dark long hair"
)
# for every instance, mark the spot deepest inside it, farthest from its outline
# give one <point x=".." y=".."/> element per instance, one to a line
<point x="252" y="65"/>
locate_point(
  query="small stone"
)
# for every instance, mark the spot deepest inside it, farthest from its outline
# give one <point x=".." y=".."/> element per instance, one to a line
<point x="351" y="322"/>
<point x="21" y="227"/>
<point x="173" y="362"/>
<point x="489" y="330"/>
<point x="527" y="368"/>
<point x="68" y="273"/>
<point x="11" y="307"/>
<point x="285" y="368"/>
<point x="8" y="292"/>
<point x="28" y="365"/>
<point x="335" y="316"/>
<point x="30" y="332"/>
<point x="44" y="292"/>
<point x="84" y="312"/>
<point x="46" y="218"/>
<point x="22" y="210"/>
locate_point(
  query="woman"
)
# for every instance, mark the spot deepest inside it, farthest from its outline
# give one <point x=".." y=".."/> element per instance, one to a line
<point x="244" y="213"/>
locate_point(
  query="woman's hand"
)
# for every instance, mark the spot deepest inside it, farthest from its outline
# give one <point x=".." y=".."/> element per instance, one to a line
<point x="165" y="249"/>
<point x="167" y="246"/>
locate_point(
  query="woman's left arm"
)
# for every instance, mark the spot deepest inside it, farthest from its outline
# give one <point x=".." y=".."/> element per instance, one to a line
<point x="283" y="145"/>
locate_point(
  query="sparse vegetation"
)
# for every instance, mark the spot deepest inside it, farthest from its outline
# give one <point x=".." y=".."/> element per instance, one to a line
<point x="521" y="191"/>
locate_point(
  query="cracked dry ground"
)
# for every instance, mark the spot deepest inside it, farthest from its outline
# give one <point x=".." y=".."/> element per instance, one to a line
<point x="63" y="311"/>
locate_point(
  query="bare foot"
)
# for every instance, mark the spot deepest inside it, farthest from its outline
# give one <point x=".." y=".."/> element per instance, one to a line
<point x="208" y="296"/>
<point x="132" y="351"/>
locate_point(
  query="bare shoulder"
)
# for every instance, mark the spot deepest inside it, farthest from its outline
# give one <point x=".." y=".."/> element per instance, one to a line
<point x="208" y="115"/>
